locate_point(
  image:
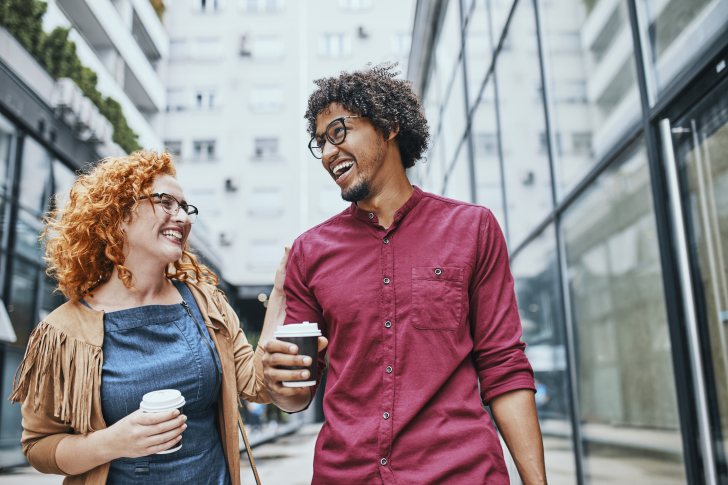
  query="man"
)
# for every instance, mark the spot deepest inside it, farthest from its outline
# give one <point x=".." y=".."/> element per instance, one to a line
<point x="415" y="295"/>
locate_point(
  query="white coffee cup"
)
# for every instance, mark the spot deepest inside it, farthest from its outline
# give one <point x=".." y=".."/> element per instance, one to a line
<point x="161" y="401"/>
<point x="304" y="335"/>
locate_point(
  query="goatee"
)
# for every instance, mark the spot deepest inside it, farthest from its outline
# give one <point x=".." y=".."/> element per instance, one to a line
<point x="356" y="193"/>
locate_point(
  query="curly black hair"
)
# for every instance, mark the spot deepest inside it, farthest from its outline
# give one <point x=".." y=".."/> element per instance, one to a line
<point x="387" y="102"/>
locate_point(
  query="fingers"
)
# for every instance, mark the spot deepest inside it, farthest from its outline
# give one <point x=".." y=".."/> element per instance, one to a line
<point x="287" y="360"/>
<point x="273" y="346"/>
<point x="164" y="446"/>
<point x="151" y="419"/>
<point x="162" y="428"/>
<point x="323" y="342"/>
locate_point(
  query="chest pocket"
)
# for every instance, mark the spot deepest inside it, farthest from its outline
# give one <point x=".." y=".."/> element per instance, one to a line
<point x="437" y="297"/>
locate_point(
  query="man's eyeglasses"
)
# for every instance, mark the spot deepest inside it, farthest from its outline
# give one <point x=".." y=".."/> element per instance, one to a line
<point x="172" y="206"/>
<point x="335" y="133"/>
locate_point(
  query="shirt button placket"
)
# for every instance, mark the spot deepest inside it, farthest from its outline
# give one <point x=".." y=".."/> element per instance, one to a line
<point x="388" y="349"/>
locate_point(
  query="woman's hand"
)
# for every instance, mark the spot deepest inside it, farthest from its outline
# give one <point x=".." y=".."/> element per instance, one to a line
<point x="281" y="271"/>
<point x="143" y="434"/>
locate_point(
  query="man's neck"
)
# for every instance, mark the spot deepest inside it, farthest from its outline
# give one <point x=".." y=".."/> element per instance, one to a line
<point x="392" y="195"/>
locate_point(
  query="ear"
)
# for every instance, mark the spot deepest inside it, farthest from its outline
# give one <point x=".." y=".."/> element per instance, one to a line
<point x="393" y="132"/>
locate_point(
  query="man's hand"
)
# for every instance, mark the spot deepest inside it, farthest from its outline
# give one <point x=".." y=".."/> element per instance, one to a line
<point x="277" y="354"/>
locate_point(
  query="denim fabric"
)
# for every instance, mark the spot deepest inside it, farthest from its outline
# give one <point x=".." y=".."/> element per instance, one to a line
<point x="158" y="347"/>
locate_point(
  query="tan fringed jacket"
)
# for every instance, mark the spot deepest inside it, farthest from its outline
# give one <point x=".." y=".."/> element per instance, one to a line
<point x="59" y="380"/>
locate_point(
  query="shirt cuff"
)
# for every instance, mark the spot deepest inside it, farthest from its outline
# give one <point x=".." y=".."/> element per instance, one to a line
<point x="521" y="381"/>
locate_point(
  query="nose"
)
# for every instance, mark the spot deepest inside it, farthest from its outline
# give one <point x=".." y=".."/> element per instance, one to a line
<point x="181" y="216"/>
<point x="329" y="151"/>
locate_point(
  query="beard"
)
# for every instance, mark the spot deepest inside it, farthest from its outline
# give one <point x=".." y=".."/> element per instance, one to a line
<point x="357" y="192"/>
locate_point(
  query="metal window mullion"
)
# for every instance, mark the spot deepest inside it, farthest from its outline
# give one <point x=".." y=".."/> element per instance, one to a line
<point x="468" y="113"/>
<point x="569" y="329"/>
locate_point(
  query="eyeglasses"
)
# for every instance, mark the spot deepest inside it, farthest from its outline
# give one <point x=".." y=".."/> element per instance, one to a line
<point x="172" y="206"/>
<point x="335" y="133"/>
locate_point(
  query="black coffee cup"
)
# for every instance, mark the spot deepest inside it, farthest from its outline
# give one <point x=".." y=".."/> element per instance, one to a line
<point x="304" y="335"/>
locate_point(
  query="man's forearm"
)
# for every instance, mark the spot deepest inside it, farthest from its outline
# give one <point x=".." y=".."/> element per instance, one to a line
<point x="517" y="419"/>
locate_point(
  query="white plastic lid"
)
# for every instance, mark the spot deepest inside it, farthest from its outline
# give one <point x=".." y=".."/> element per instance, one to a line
<point x="163" y="400"/>
<point x="304" y="329"/>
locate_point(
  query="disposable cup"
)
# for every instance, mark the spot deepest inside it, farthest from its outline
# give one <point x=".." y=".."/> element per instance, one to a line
<point x="161" y="401"/>
<point x="305" y="335"/>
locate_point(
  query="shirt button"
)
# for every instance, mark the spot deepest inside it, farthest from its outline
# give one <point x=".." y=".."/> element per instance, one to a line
<point x="438" y="271"/>
<point x="386" y="415"/>
<point x="386" y="240"/>
<point x="389" y="369"/>
<point x="383" y="461"/>
<point x="387" y="324"/>
<point x="386" y="281"/>
<point x="371" y="216"/>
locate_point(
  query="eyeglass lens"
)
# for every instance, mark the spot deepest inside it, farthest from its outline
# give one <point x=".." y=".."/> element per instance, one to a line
<point x="171" y="207"/>
<point x="335" y="134"/>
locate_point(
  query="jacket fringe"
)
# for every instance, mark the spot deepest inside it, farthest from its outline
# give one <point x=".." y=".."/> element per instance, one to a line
<point x="73" y="365"/>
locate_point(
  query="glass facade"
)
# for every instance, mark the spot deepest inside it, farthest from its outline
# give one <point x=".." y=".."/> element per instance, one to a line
<point x="551" y="113"/>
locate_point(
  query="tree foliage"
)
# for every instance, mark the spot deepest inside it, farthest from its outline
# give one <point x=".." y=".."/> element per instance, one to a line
<point x="24" y="18"/>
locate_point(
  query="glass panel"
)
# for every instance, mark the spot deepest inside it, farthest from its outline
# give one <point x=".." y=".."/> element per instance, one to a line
<point x="535" y="270"/>
<point x="457" y="184"/>
<point x="454" y="117"/>
<point x="591" y="81"/>
<point x="27" y="230"/>
<point x="35" y="176"/>
<point x="499" y="10"/>
<point x="7" y="130"/>
<point x="447" y="51"/>
<point x="22" y="305"/>
<point x="702" y="155"/>
<point x="525" y="158"/>
<point x="626" y="384"/>
<point x="11" y="427"/>
<point x="484" y="131"/>
<point x="677" y="32"/>
<point x="63" y="180"/>
<point x="478" y="49"/>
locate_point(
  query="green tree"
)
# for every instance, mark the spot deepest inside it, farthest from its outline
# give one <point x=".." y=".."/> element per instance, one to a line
<point x="24" y="18"/>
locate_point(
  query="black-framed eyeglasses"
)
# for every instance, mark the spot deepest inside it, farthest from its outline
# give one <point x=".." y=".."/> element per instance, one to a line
<point x="171" y="206"/>
<point x="335" y="133"/>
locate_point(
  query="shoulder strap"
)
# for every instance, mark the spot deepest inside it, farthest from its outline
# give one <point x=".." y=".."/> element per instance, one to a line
<point x="247" y="445"/>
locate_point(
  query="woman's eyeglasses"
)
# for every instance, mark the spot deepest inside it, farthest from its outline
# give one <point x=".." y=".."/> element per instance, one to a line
<point x="335" y="133"/>
<point x="172" y="206"/>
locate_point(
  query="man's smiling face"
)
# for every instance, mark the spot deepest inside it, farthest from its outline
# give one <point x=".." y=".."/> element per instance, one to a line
<point x="354" y="163"/>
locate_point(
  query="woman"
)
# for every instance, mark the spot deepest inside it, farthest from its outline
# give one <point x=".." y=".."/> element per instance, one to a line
<point x="143" y="314"/>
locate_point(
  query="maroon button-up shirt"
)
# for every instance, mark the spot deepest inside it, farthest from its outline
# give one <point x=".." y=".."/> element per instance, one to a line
<point x="416" y="315"/>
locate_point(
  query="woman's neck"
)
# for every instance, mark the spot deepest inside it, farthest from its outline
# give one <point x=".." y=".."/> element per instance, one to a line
<point x="150" y="287"/>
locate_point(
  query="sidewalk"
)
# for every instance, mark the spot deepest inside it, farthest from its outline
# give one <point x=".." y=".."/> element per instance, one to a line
<point x="287" y="460"/>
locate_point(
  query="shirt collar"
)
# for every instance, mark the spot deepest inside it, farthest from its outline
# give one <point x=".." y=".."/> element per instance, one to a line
<point x="401" y="212"/>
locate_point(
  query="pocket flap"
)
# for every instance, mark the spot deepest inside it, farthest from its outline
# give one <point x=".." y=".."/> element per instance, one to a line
<point x="444" y="273"/>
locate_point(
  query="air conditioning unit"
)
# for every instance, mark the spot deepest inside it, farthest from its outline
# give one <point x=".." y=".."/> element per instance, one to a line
<point x="66" y="99"/>
<point x="101" y="131"/>
<point x="85" y="115"/>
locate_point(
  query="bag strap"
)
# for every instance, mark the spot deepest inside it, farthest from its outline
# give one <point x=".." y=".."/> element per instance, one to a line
<point x="247" y="445"/>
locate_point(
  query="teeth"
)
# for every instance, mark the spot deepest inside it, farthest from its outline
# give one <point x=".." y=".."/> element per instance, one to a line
<point x="342" y="167"/>
<point x="173" y="234"/>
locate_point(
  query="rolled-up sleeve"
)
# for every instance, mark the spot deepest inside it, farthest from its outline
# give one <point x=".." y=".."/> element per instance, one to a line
<point x="499" y="353"/>
<point x="301" y="304"/>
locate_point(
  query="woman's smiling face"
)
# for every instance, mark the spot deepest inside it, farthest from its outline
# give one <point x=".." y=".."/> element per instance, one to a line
<point x="152" y="234"/>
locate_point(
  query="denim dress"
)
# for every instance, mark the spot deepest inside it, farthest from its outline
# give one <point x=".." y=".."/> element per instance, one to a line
<point x="162" y="347"/>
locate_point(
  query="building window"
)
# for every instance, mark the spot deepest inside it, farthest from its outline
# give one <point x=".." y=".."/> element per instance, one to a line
<point x="266" y="147"/>
<point x="174" y="147"/>
<point x="178" y="49"/>
<point x="334" y="45"/>
<point x="268" y="47"/>
<point x="205" y="99"/>
<point x="574" y="92"/>
<point x="176" y="100"/>
<point x="208" y="49"/>
<point x="261" y="6"/>
<point x="203" y="150"/>
<point x="355" y="5"/>
<point x="266" y="99"/>
<point x="207" y="6"/>
<point x="266" y="202"/>
<point x="485" y="144"/>
<point x="265" y="255"/>
<point x="401" y="44"/>
<point x="581" y="143"/>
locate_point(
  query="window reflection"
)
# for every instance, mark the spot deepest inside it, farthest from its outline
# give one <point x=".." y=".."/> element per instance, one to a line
<point x="23" y="298"/>
<point x="478" y="48"/>
<point x="535" y="270"/>
<point x="591" y="82"/>
<point x="677" y="32"/>
<point x="6" y="137"/>
<point x="627" y="396"/>
<point x="35" y="188"/>
<point x="526" y="163"/>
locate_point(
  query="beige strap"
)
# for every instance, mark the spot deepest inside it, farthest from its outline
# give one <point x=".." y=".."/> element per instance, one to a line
<point x="247" y="445"/>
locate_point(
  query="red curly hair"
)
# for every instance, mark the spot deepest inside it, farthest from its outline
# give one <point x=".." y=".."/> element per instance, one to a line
<point x="83" y="237"/>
